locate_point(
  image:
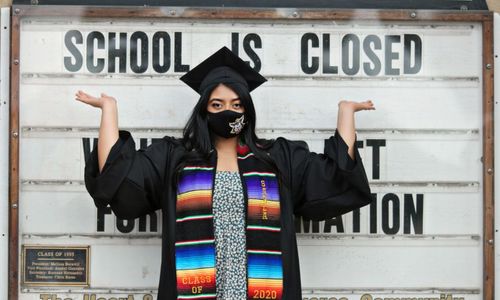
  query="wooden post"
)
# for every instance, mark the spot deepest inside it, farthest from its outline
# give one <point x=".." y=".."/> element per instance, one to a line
<point x="488" y="164"/>
<point x="14" y="160"/>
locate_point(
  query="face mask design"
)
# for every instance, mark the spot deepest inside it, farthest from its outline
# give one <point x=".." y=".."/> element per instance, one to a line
<point x="237" y="125"/>
<point x="226" y="123"/>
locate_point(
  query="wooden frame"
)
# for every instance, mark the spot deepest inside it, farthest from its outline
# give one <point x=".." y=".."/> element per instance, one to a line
<point x="14" y="161"/>
<point x="488" y="164"/>
<point x="331" y="4"/>
<point x="486" y="18"/>
<point x="239" y="13"/>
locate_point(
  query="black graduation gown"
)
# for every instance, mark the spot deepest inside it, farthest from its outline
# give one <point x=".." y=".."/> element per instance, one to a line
<point x="319" y="186"/>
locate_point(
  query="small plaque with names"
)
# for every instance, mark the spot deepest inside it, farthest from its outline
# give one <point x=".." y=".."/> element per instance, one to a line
<point x="55" y="265"/>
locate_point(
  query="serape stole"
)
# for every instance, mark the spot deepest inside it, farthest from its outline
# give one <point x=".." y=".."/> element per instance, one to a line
<point x="195" y="243"/>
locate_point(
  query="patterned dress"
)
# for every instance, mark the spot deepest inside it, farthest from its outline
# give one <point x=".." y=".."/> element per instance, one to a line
<point x="230" y="237"/>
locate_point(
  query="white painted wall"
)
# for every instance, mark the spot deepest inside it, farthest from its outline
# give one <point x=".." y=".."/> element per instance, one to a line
<point x="4" y="148"/>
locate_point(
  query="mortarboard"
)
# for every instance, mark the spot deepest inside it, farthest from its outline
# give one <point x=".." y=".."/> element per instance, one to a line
<point x="222" y="67"/>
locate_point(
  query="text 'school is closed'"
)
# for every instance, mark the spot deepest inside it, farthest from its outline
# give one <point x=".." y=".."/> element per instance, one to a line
<point x="160" y="52"/>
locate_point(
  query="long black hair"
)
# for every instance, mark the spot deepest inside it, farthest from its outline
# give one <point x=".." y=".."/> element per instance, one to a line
<point x="199" y="140"/>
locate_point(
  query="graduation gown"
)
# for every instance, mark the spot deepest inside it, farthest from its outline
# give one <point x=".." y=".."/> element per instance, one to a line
<point x="318" y="186"/>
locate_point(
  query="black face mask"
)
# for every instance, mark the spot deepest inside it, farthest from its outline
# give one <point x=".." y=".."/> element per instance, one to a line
<point x="226" y="123"/>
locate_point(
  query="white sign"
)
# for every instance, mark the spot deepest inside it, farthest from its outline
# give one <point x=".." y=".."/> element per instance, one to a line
<point x="421" y="148"/>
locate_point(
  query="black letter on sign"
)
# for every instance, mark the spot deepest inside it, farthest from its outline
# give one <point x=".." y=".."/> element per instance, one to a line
<point x="386" y="213"/>
<point x="86" y="147"/>
<point x="120" y="224"/>
<point x="101" y="214"/>
<point x="68" y="42"/>
<point x="257" y="42"/>
<point x="134" y="38"/>
<point x="143" y="143"/>
<point x="415" y="39"/>
<point x="373" y="214"/>
<point x="304" y="53"/>
<point x="157" y="53"/>
<point x="346" y="40"/>
<point x="377" y="44"/>
<point x="178" y="66"/>
<point x="327" y="69"/>
<point x="120" y="52"/>
<point x="99" y="66"/>
<point x="153" y="223"/>
<point x="337" y="222"/>
<point x="376" y="144"/>
<point x="235" y="43"/>
<point x="307" y="225"/>
<point x="355" y="220"/>
<point x="390" y="55"/>
<point x="412" y="214"/>
<point x="156" y="140"/>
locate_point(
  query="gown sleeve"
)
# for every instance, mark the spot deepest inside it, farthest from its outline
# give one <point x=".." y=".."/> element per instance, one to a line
<point x="131" y="182"/>
<point x="326" y="185"/>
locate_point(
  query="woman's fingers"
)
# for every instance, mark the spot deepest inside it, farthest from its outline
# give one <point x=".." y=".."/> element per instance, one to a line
<point x="88" y="99"/>
<point x="357" y="106"/>
<point x="82" y="95"/>
<point x="94" y="101"/>
<point x="368" y="105"/>
<point x="365" y="105"/>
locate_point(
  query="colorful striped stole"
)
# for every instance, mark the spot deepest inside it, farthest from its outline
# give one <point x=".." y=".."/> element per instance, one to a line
<point x="195" y="244"/>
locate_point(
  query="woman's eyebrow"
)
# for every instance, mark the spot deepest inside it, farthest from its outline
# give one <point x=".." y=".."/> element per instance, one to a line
<point x="218" y="99"/>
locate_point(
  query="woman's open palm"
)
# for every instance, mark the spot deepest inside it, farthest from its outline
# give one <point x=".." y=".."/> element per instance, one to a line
<point x="357" y="106"/>
<point x="93" y="101"/>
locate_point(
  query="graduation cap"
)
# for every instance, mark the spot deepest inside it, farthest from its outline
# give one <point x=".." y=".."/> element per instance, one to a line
<point x="222" y="67"/>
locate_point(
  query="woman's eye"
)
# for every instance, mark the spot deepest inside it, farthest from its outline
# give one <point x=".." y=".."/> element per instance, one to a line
<point x="237" y="105"/>
<point x="216" y="105"/>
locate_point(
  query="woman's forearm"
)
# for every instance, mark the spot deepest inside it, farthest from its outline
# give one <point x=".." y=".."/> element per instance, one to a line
<point x="108" y="131"/>
<point x="345" y="125"/>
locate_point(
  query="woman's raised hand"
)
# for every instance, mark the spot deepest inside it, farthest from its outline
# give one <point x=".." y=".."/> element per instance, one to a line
<point x="356" y="106"/>
<point x="94" y="101"/>
<point x="345" y="121"/>
<point x="108" y="130"/>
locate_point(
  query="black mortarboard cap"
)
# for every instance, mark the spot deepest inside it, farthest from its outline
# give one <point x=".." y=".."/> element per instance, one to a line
<point x="222" y="67"/>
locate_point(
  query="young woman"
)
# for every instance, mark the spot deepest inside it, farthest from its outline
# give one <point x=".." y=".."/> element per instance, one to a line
<point x="228" y="199"/>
